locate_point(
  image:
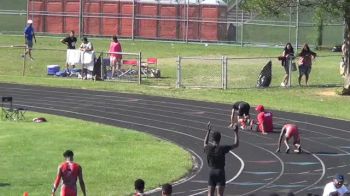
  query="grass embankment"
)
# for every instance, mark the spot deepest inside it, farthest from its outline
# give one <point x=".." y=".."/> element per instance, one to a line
<point x="318" y="98"/>
<point x="112" y="158"/>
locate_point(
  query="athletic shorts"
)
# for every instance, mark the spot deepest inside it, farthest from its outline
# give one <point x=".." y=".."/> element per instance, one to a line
<point x="304" y="70"/>
<point x="296" y="139"/>
<point x="68" y="191"/>
<point x="217" y="177"/>
<point x="114" y="61"/>
<point x="243" y="109"/>
<point x="29" y="43"/>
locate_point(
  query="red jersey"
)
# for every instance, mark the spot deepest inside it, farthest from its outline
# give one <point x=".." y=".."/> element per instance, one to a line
<point x="265" y="121"/>
<point x="292" y="131"/>
<point x="69" y="173"/>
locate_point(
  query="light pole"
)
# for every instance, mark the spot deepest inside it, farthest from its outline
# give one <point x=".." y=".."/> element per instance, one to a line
<point x="297" y="28"/>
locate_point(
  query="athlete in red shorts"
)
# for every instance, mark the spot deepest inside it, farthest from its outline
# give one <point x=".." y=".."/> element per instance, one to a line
<point x="288" y="131"/>
<point x="69" y="172"/>
<point x="264" y="119"/>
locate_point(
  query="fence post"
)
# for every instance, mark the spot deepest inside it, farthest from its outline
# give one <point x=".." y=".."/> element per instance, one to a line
<point x="102" y="70"/>
<point x="133" y="21"/>
<point x="222" y="72"/>
<point x="178" y="81"/>
<point x="81" y="20"/>
<point x="290" y="60"/>
<point x="139" y="67"/>
<point x="242" y="29"/>
<point x="225" y="72"/>
<point x="24" y="61"/>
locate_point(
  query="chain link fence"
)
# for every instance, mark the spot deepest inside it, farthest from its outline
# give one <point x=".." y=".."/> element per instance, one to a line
<point x="238" y="73"/>
<point x="197" y="72"/>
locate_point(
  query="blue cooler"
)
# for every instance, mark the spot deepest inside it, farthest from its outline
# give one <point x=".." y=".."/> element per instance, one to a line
<point x="52" y="69"/>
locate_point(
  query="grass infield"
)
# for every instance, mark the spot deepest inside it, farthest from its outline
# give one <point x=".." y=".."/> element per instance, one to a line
<point x="111" y="158"/>
<point x="319" y="98"/>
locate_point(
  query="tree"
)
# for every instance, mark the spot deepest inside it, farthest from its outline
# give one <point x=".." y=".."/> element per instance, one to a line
<point x="319" y="18"/>
<point x="331" y="7"/>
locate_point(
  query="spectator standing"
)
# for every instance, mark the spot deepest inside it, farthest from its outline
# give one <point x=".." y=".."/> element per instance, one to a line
<point x="139" y="187"/>
<point x="70" y="41"/>
<point x="86" y="46"/>
<point x="264" y="119"/>
<point x="336" y="187"/>
<point x="306" y="56"/>
<point x="216" y="160"/>
<point x="167" y="189"/>
<point x="288" y="131"/>
<point x="288" y="52"/>
<point x="69" y="172"/>
<point x="115" y="59"/>
<point x="28" y="36"/>
<point x="242" y="109"/>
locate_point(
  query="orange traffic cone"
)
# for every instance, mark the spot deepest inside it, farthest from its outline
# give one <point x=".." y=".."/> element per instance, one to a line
<point x="25" y="194"/>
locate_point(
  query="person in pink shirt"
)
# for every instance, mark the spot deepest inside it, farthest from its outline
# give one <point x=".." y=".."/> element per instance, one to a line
<point x="115" y="59"/>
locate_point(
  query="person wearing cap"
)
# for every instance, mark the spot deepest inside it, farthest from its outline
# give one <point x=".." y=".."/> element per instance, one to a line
<point x="264" y="119"/>
<point x="240" y="108"/>
<point x="335" y="187"/>
<point x="288" y="131"/>
<point x="29" y="35"/>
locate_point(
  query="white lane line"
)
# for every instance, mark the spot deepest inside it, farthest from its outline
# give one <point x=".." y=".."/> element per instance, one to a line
<point x="266" y="185"/>
<point x="217" y="119"/>
<point x="225" y="121"/>
<point x="320" y="178"/>
<point x="149" y="126"/>
<point x="171" y="103"/>
<point x="242" y="163"/>
<point x="311" y="123"/>
<point x="232" y="179"/>
<point x="272" y="181"/>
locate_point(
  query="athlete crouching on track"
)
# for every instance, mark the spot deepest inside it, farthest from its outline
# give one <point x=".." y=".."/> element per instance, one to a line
<point x="216" y="160"/>
<point x="242" y="109"/>
<point x="288" y="131"/>
<point x="264" y="121"/>
<point x="69" y="172"/>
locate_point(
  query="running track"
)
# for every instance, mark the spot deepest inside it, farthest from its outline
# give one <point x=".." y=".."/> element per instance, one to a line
<point x="253" y="168"/>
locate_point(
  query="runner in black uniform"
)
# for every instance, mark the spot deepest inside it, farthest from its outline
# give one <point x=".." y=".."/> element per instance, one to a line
<point x="242" y="109"/>
<point x="216" y="160"/>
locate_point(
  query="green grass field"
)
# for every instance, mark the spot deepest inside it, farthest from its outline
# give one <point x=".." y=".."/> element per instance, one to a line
<point x="319" y="98"/>
<point x="111" y="158"/>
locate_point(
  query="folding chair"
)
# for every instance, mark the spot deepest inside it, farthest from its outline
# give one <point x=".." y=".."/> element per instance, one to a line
<point x="152" y="61"/>
<point x="8" y="112"/>
<point x="132" y="63"/>
<point x="146" y="67"/>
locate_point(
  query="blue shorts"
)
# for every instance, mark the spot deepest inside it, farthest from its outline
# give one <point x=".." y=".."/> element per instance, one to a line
<point x="29" y="43"/>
